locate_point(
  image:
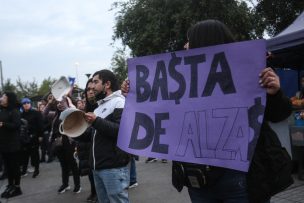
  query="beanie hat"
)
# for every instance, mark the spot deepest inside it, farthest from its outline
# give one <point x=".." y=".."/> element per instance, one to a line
<point x="25" y="100"/>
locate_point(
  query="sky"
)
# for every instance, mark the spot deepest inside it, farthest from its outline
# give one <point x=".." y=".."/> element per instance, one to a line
<point x="41" y="39"/>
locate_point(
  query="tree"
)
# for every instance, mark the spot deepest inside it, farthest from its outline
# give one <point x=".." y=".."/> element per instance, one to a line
<point x="45" y="86"/>
<point x="119" y="65"/>
<point x="8" y="86"/>
<point x="26" y="89"/>
<point x="277" y="15"/>
<point x="156" y="26"/>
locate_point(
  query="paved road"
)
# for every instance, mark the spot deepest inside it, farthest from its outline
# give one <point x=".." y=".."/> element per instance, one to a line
<point x="154" y="187"/>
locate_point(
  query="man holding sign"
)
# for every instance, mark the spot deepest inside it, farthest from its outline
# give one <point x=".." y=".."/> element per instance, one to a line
<point x="109" y="163"/>
<point x="205" y="109"/>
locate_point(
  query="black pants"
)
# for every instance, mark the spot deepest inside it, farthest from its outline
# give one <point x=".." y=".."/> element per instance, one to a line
<point x="92" y="183"/>
<point x="68" y="163"/>
<point x="31" y="150"/>
<point x="46" y="147"/>
<point x="11" y="161"/>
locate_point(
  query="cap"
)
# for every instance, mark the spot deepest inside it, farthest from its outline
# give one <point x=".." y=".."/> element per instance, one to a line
<point x="25" y="100"/>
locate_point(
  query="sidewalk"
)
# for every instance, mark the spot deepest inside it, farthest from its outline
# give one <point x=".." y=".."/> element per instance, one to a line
<point x="154" y="187"/>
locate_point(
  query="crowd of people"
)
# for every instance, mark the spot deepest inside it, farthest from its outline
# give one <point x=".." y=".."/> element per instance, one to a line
<point x="110" y="170"/>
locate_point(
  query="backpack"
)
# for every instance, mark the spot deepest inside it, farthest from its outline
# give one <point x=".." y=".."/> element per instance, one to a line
<point x="25" y="137"/>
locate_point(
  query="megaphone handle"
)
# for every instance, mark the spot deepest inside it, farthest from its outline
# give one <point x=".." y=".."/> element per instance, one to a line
<point x="61" y="128"/>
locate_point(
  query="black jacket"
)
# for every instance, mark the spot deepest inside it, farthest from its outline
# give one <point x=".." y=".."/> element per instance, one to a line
<point x="35" y="123"/>
<point x="105" y="153"/>
<point x="83" y="145"/>
<point x="9" y="132"/>
<point x="270" y="169"/>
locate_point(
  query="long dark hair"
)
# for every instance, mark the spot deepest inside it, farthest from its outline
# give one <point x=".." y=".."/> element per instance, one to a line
<point x="89" y="106"/>
<point x="208" y="33"/>
<point x="12" y="100"/>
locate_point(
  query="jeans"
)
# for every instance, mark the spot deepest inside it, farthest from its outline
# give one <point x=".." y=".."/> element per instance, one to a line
<point x="230" y="188"/>
<point x="112" y="185"/>
<point x="132" y="171"/>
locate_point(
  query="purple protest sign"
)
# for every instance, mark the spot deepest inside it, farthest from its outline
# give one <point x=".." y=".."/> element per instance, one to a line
<point x="201" y="105"/>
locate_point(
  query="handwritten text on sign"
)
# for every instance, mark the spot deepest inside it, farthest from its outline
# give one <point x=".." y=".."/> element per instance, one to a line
<point x="201" y="106"/>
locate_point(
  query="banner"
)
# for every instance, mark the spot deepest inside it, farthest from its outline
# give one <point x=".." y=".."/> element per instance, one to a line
<point x="201" y="105"/>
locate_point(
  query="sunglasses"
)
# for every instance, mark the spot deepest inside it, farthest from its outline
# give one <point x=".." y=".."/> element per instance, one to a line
<point x="26" y="103"/>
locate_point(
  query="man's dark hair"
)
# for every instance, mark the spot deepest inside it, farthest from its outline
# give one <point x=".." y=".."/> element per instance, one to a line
<point x="107" y="75"/>
<point x="209" y="33"/>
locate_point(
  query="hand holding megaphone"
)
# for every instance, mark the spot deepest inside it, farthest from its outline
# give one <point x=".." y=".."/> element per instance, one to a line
<point x="90" y="117"/>
<point x="73" y="122"/>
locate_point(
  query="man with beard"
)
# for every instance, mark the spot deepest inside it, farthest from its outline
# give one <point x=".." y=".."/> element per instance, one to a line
<point x="109" y="163"/>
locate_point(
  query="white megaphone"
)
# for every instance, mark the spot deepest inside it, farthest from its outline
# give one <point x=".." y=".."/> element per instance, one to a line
<point x="60" y="88"/>
<point x="73" y="122"/>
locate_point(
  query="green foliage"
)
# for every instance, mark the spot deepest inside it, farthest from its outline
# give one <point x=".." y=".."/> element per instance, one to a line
<point x="156" y="26"/>
<point x="277" y="15"/>
<point x="9" y="86"/>
<point x="28" y="89"/>
<point x="119" y="65"/>
<point x="45" y="86"/>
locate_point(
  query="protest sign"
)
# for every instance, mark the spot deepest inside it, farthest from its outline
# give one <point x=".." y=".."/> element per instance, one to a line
<point x="201" y="105"/>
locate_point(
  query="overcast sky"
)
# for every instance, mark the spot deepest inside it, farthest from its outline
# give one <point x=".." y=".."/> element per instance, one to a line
<point x="39" y="39"/>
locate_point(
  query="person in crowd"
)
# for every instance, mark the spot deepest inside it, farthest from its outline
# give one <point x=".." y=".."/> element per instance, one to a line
<point x="30" y="148"/>
<point x="80" y="104"/>
<point x="109" y="163"/>
<point x="45" y="144"/>
<point x="63" y="147"/>
<point x="83" y="147"/>
<point x="264" y="177"/>
<point x="10" y="122"/>
<point x="133" y="174"/>
<point x="298" y="99"/>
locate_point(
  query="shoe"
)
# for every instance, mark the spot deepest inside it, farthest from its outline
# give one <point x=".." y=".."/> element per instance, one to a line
<point x="63" y="188"/>
<point x="92" y="198"/>
<point x="35" y="174"/>
<point x="15" y="191"/>
<point x="77" y="189"/>
<point x="164" y="161"/>
<point x="150" y="160"/>
<point x="5" y="193"/>
<point x="42" y="160"/>
<point x="50" y="160"/>
<point x="133" y="185"/>
<point x="23" y="174"/>
<point x="30" y="170"/>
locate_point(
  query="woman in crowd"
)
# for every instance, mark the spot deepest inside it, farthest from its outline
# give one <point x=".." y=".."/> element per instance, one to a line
<point x="63" y="147"/>
<point x="84" y="141"/>
<point x="10" y="122"/>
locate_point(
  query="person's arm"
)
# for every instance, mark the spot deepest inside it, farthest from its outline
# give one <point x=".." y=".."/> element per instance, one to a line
<point x="15" y="121"/>
<point x="39" y="123"/>
<point x="109" y="127"/>
<point x="278" y="107"/>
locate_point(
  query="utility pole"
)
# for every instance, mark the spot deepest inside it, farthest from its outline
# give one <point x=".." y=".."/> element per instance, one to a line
<point x="1" y="76"/>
